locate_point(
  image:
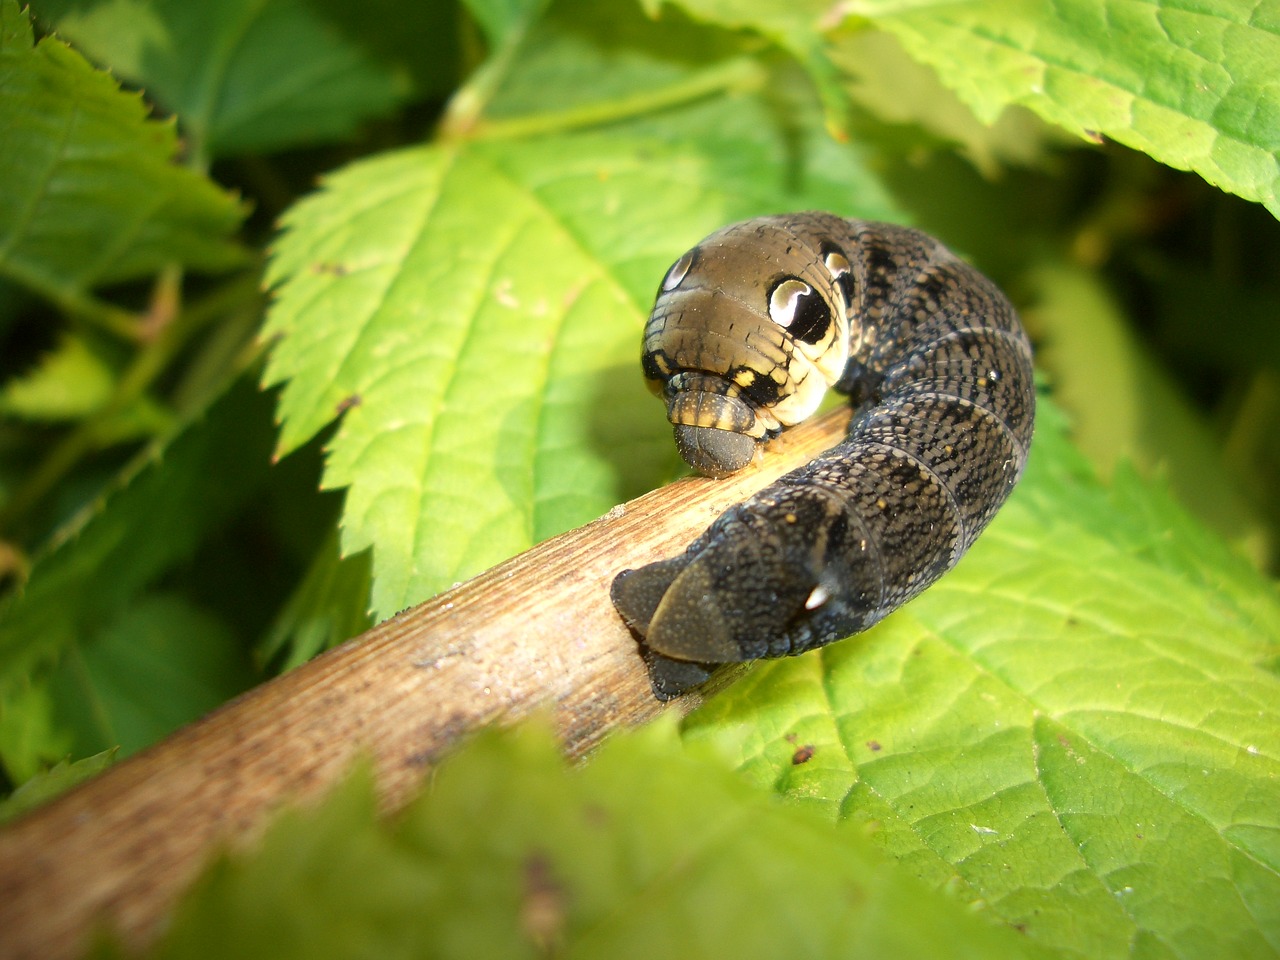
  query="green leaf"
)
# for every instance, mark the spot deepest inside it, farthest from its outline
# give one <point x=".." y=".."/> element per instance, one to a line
<point x="53" y="782"/>
<point x="1124" y="406"/>
<point x="71" y="381"/>
<point x="241" y="75"/>
<point x="644" y="853"/>
<point x="796" y="26"/>
<point x="423" y="42"/>
<point x="1192" y="85"/>
<point x="107" y="559"/>
<point x="501" y="19"/>
<point x="1078" y="728"/>
<point x="900" y="92"/>
<point x="91" y="194"/>
<point x="330" y="605"/>
<point x="473" y="309"/>
<point x="161" y="663"/>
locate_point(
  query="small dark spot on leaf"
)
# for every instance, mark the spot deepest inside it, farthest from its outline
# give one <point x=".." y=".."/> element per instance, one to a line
<point x="329" y="269"/>
<point x="874" y="746"/>
<point x="791" y="738"/>
<point x="802" y="755"/>
<point x="346" y="403"/>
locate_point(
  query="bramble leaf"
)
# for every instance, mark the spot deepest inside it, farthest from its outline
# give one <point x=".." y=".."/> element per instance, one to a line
<point x="1191" y="85"/>
<point x="1078" y="726"/>
<point x="91" y="193"/>
<point x="160" y="663"/>
<point x="240" y="75"/>
<point x="70" y="381"/>
<point x="473" y="311"/>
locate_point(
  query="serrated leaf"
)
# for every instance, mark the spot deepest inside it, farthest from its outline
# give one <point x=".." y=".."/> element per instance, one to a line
<point x="644" y="853"/>
<point x="241" y="75"/>
<point x="106" y="560"/>
<point x="1192" y="85"/>
<point x="473" y="309"/>
<point x="91" y="194"/>
<point x="899" y="91"/>
<point x="1077" y="726"/>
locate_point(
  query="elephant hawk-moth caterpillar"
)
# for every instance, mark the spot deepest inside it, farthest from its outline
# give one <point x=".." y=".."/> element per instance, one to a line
<point x="748" y="331"/>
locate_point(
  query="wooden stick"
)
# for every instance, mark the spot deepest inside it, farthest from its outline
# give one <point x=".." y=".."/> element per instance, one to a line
<point x="537" y="633"/>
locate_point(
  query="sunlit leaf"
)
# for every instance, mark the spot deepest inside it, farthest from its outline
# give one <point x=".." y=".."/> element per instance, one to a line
<point x="473" y="310"/>
<point x="1078" y="727"/>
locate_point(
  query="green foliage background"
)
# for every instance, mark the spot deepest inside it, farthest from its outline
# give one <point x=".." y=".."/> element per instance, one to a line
<point x="1069" y="747"/>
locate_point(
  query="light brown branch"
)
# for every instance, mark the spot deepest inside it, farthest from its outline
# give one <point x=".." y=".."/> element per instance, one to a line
<point x="536" y="633"/>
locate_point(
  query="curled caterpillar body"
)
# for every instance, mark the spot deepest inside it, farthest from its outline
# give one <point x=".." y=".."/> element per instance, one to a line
<point x="749" y="330"/>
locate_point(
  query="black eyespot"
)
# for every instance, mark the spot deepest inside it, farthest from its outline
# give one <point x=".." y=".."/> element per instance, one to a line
<point x="800" y="309"/>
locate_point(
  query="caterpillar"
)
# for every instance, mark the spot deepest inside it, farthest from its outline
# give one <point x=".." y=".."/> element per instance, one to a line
<point x="749" y="330"/>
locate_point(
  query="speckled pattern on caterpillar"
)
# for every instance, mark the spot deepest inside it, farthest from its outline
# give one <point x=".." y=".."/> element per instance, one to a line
<point x="749" y="330"/>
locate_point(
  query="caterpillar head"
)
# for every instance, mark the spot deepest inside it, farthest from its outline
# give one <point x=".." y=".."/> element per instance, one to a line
<point x="748" y="331"/>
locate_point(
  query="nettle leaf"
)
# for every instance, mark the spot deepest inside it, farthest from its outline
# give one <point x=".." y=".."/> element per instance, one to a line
<point x="241" y="75"/>
<point x="91" y="191"/>
<point x="1078" y="727"/>
<point x="643" y="853"/>
<point x="1191" y="85"/>
<point x="473" y="309"/>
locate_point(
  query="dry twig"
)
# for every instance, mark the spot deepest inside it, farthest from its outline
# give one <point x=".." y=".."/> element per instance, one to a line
<point x="536" y="633"/>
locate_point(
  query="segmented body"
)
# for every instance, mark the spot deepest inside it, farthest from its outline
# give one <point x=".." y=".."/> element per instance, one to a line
<point x="748" y="331"/>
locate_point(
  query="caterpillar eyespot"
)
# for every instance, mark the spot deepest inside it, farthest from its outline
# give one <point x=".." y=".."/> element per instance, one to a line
<point x="749" y="330"/>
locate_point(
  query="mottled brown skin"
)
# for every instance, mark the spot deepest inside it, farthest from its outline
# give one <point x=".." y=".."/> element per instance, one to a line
<point x="746" y="327"/>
